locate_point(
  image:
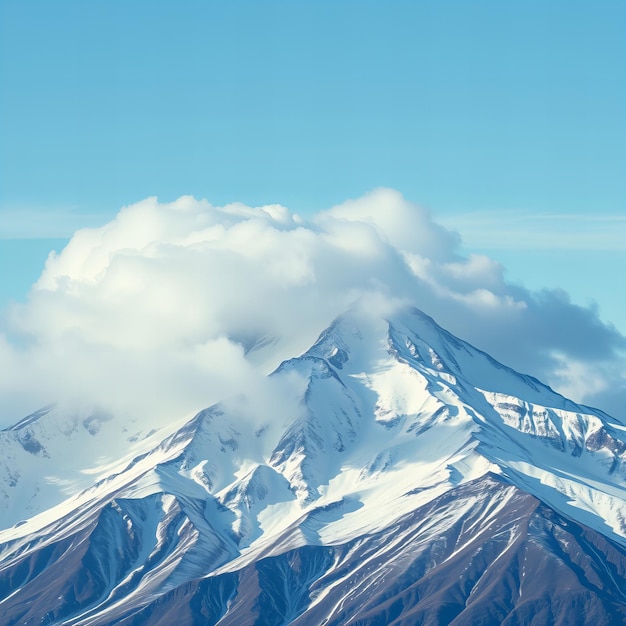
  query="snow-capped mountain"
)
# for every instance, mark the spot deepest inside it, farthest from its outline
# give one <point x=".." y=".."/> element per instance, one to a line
<point x="391" y="474"/>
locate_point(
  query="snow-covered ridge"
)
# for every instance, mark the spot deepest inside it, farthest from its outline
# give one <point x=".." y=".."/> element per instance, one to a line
<point x="390" y="414"/>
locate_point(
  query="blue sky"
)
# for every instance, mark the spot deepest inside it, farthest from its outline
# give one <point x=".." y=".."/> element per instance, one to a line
<point x="507" y="120"/>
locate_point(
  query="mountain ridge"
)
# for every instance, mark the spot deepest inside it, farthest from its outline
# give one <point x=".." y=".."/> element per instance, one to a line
<point x="384" y="416"/>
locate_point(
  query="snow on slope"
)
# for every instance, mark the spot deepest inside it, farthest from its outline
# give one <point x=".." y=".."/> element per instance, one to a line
<point x="397" y="401"/>
<point x="483" y="552"/>
<point x="58" y="451"/>
<point x="388" y="415"/>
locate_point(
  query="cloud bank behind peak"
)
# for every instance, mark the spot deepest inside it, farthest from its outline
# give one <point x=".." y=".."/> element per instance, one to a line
<point x="164" y="309"/>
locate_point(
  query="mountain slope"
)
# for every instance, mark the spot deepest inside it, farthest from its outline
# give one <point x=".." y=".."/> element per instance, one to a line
<point x="394" y="474"/>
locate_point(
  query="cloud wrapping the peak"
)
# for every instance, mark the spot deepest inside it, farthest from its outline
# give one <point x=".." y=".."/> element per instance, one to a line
<point x="406" y="227"/>
<point x="171" y="306"/>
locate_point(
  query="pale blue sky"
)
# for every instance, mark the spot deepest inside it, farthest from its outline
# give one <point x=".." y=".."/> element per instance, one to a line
<point x="494" y="115"/>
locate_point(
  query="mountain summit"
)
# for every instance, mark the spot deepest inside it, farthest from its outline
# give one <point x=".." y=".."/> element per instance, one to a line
<point x="391" y="474"/>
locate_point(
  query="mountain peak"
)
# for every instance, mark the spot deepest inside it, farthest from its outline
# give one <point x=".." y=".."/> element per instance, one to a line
<point x="395" y="429"/>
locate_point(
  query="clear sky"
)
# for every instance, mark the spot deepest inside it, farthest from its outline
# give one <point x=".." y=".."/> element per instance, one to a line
<point x="506" y="119"/>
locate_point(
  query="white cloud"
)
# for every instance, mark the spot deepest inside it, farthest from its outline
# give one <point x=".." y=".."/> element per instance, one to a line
<point x="160" y="310"/>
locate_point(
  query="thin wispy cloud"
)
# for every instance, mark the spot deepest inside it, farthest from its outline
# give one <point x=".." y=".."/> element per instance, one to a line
<point x="525" y="230"/>
<point x="45" y="223"/>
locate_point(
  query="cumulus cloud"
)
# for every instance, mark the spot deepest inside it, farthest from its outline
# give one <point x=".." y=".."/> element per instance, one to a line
<point x="171" y="306"/>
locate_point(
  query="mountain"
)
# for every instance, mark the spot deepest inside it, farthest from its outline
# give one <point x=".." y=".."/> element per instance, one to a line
<point x="391" y="474"/>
